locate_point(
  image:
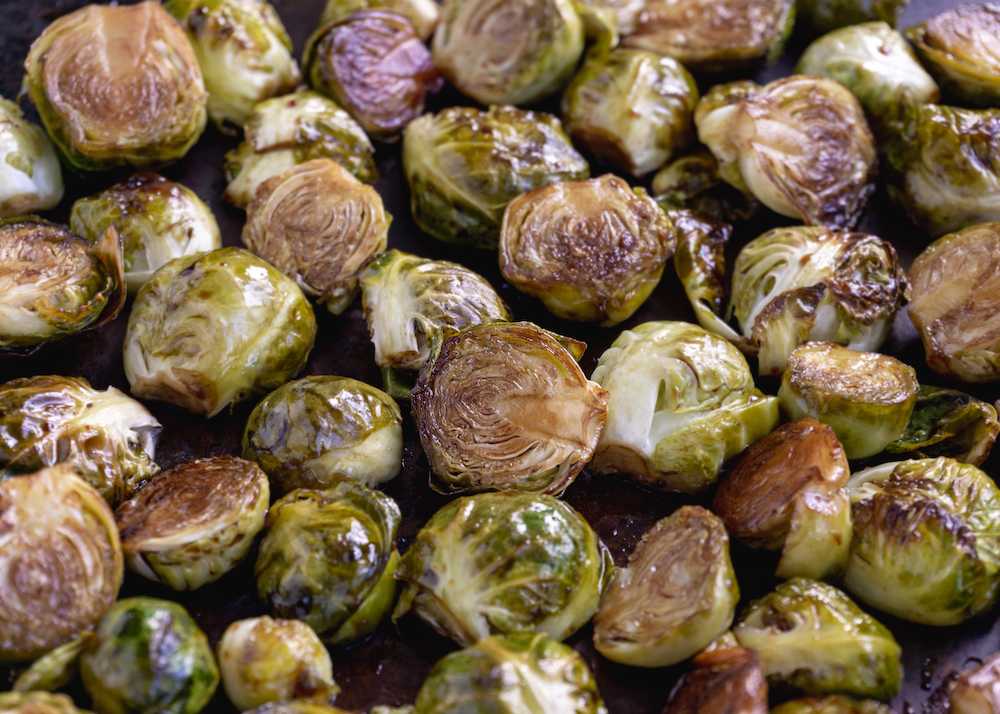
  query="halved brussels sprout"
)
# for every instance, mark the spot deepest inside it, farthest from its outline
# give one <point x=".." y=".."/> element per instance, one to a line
<point x="373" y="65"/>
<point x="833" y="704"/>
<point x="506" y="406"/>
<point x="866" y="397"/>
<point x="624" y="13"/>
<point x="328" y="558"/>
<point x="37" y="703"/>
<point x="148" y="656"/>
<point x="800" y="145"/>
<point x="714" y="36"/>
<point x="678" y="593"/>
<point x="107" y="438"/>
<point x="320" y="226"/>
<point x="633" y="109"/>
<point x="693" y="182"/>
<point x="283" y="132"/>
<point x="30" y="177"/>
<point x="55" y="283"/>
<point x="925" y="546"/>
<point x="210" y="330"/>
<point x="62" y="561"/>
<point x="504" y="562"/>
<point x="244" y="53"/>
<point x="819" y="17"/>
<point x="422" y="14"/>
<point x="788" y="492"/>
<point x="522" y="673"/>
<point x="158" y="220"/>
<point x="813" y="639"/>
<point x="117" y="85"/>
<point x="954" y="301"/>
<point x="875" y="63"/>
<point x="681" y="401"/>
<point x="263" y="660"/>
<point x="464" y="166"/>
<point x="194" y="523"/>
<point x="318" y="431"/>
<point x="947" y="422"/>
<point x="977" y="690"/>
<point x="410" y="302"/>
<point x="591" y="250"/>
<point x="728" y="680"/>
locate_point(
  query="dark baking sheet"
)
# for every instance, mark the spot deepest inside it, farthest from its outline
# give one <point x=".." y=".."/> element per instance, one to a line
<point x="389" y="667"/>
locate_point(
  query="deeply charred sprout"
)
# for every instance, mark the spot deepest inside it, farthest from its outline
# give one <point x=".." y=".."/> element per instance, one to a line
<point x="729" y="680"/>
<point x="833" y="704"/>
<point x="693" y="182"/>
<point x="422" y="14"/>
<point x="977" y="690"/>
<point x="678" y="593"/>
<point x="30" y="177"/>
<point x="947" y="422"/>
<point x="498" y="563"/>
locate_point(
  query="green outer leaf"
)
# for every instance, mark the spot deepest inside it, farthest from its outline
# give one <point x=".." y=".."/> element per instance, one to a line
<point x="947" y="422"/>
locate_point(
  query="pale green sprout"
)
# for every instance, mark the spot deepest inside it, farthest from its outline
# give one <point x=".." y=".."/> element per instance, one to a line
<point x="422" y="14"/>
<point x="55" y="669"/>
<point x="30" y="176"/>
<point x="37" y="703"/>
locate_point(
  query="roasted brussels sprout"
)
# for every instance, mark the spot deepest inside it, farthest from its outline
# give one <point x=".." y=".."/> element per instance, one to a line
<point x="317" y="431"/>
<point x="244" y="53"/>
<point x="306" y="706"/>
<point x="875" y="63"/>
<point x="158" y="220"/>
<point x="62" y="560"/>
<point x="409" y="302"/>
<point x="788" y="492"/>
<point x="590" y="250"/>
<point x="681" y="401"/>
<point x="55" y="283"/>
<point x="148" y="656"/>
<point x="833" y="704"/>
<point x="729" y="680"/>
<point x="55" y="669"/>
<point x="693" y="182"/>
<point x="714" y="36"/>
<point x="117" y="85"/>
<point x="328" y="558"/>
<point x="465" y="165"/>
<point x="800" y="145"/>
<point x="678" y="593"/>
<point x="194" y="523"/>
<point x="505" y="406"/>
<point x="263" y="660"/>
<point x="320" y="226"/>
<point x="955" y="294"/>
<point x="209" y="330"/>
<point x="498" y="563"/>
<point x="866" y="397"/>
<point x="632" y="109"/>
<point x="373" y="65"/>
<point x="30" y="177"/>
<point x="625" y="13"/>
<point x="947" y="422"/>
<point x="422" y="14"/>
<point x="37" y="703"/>
<point x="813" y="639"/>
<point x="107" y="438"/>
<point x="977" y="690"/>
<point x="521" y="673"/>
<point x="819" y="17"/>
<point x="283" y="132"/>
<point x="925" y="546"/>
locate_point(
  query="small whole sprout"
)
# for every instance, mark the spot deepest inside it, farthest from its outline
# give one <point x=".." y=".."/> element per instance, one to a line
<point x="866" y="397"/>
<point x="158" y="220"/>
<point x="693" y="182"/>
<point x="677" y="595"/>
<point x="209" y="330"/>
<point x="514" y="52"/>
<point x="117" y="85"/>
<point x="681" y="401"/>
<point x="244" y="53"/>
<point x="55" y="283"/>
<point x="263" y="660"/>
<point x="283" y="132"/>
<point x="504" y="562"/>
<point x="832" y="704"/>
<point x="521" y="673"/>
<point x="633" y="109"/>
<point x="422" y="14"/>
<point x="787" y="492"/>
<point x="977" y="690"/>
<point x="506" y="406"/>
<point x="726" y="680"/>
<point x="591" y="250"/>
<point x="819" y="17"/>
<point x="410" y="302"/>
<point x="37" y="703"/>
<point x="464" y="165"/>
<point x="328" y="558"/>
<point x="800" y="145"/>
<point x="925" y="546"/>
<point x="814" y="640"/>
<point x="373" y="64"/>
<point x="947" y="422"/>
<point x="194" y="523"/>
<point x="30" y="177"/>
<point x="955" y="292"/>
<point x="107" y="438"/>
<point x="318" y="431"/>
<point x="62" y="560"/>
<point x="148" y="656"/>
<point x="320" y="226"/>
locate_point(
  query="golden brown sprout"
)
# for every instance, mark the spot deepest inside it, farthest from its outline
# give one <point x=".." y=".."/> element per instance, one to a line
<point x="977" y="690"/>
<point x="37" y="703"/>
<point x="724" y="681"/>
